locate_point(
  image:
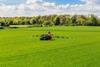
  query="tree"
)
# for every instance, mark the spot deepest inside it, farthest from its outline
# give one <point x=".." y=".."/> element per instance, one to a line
<point x="52" y="20"/>
<point x="26" y="21"/>
<point x="92" y="20"/>
<point x="73" y="20"/>
<point x="81" y="20"/>
<point x="15" y="21"/>
<point x="47" y="23"/>
<point x="57" y="20"/>
<point x="63" y="20"/>
<point x="33" y="21"/>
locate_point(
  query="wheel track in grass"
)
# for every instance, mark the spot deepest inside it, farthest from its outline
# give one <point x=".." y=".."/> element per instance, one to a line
<point x="21" y="57"/>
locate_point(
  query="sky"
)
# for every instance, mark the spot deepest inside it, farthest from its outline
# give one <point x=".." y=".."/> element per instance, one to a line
<point x="10" y="8"/>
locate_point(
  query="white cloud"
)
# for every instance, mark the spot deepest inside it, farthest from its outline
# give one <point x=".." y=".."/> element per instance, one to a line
<point x="41" y="7"/>
<point x="92" y="2"/>
<point x="34" y="1"/>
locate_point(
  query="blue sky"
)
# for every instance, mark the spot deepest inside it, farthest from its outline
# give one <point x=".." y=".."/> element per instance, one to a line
<point x="47" y="7"/>
<point x="66" y="1"/>
<point x="56" y="1"/>
<point x="12" y="2"/>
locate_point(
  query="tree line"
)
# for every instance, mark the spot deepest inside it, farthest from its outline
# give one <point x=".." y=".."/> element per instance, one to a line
<point x="52" y="20"/>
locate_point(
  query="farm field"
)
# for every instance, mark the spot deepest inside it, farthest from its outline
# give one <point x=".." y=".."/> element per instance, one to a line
<point x="21" y="48"/>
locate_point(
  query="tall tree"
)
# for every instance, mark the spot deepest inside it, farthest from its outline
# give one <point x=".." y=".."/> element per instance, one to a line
<point x="93" y="20"/>
<point x="57" y="20"/>
<point x="74" y="20"/>
<point x="81" y="20"/>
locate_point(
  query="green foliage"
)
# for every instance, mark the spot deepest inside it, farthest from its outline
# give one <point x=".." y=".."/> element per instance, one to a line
<point x="57" y="20"/>
<point x="92" y="20"/>
<point x="81" y="20"/>
<point x="66" y="20"/>
<point x="33" y="21"/>
<point x="73" y="20"/>
<point x="46" y="23"/>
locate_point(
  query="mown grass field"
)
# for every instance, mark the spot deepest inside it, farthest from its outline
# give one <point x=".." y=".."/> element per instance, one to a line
<point x="19" y="48"/>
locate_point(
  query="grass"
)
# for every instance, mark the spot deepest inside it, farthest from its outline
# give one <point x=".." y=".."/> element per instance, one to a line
<point x="18" y="47"/>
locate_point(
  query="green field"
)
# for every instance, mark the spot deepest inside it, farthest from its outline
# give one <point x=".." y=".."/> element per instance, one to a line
<point x="19" y="48"/>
